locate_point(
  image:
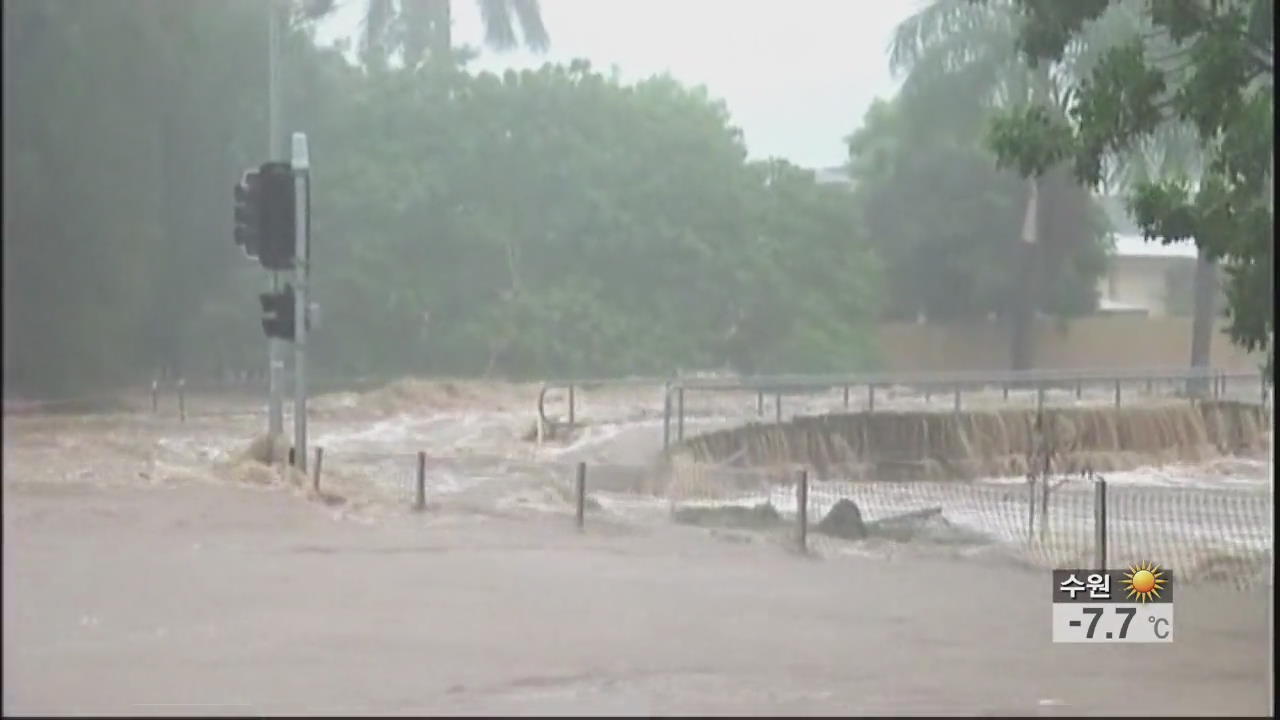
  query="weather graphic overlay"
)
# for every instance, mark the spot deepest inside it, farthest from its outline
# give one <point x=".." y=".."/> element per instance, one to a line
<point x="1113" y="606"/>
<point x="1144" y="582"/>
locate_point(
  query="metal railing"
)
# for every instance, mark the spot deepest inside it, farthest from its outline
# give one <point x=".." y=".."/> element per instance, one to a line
<point x="1201" y="382"/>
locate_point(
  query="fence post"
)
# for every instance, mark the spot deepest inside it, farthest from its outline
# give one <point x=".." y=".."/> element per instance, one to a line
<point x="1117" y="392"/>
<point x="666" y="417"/>
<point x="420" y="499"/>
<point x="182" y="399"/>
<point x="777" y="407"/>
<point x="582" y="494"/>
<point x="846" y="396"/>
<point x="680" y="414"/>
<point x="871" y="397"/>
<point x="571" y="408"/>
<point x="759" y="403"/>
<point x="155" y="390"/>
<point x="1100" y="522"/>
<point x="315" y="477"/>
<point x="1031" y="508"/>
<point x="1078" y="389"/>
<point x="1044" y="504"/>
<point x="802" y="507"/>
<point x="1039" y="397"/>
<point x="957" y="398"/>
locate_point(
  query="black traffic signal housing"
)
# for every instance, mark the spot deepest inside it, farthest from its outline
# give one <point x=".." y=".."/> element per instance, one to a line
<point x="278" y="313"/>
<point x="248" y="212"/>
<point x="277" y="216"/>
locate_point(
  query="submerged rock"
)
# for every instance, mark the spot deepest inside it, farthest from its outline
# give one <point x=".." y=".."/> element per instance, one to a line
<point x="844" y="520"/>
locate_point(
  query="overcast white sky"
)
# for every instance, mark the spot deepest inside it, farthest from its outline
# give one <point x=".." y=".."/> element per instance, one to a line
<point x="797" y="75"/>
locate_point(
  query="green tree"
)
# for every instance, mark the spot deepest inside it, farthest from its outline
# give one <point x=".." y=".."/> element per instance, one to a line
<point x="1216" y="74"/>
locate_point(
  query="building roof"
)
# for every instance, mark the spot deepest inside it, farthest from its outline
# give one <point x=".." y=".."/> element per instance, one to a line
<point x="1134" y="246"/>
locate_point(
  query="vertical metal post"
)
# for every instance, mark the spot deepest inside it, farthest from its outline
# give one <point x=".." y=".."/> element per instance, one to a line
<point x="666" y="417"/>
<point x="1039" y="397"/>
<point x="1004" y="389"/>
<point x="680" y="414"/>
<point x="846" y="396"/>
<point x="957" y="403"/>
<point x="1263" y="382"/>
<point x="182" y="399"/>
<point x="420" y="497"/>
<point x="777" y="407"/>
<point x="155" y="396"/>
<point x="302" y="178"/>
<point x="760" y="404"/>
<point x="275" y="346"/>
<point x="802" y="507"/>
<point x="1100" y="522"/>
<point x="1117" y="393"/>
<point x="315" y="471"/>
<point x="1078" y="389"/>
<point x="1044" y="501"/>
<point x="582" y="493"/>
<point x="1031" y="508"/>
<point x="871" y="397"/>
<point x="572" y="407"/>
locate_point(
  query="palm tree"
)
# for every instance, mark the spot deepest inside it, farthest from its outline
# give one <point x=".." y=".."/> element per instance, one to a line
<point x="960" y="48"/>
<point x="421" y="29"/>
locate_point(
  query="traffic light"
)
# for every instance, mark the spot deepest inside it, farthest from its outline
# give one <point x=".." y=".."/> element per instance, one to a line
<point x="248" y="212"/>
<point x="278" y="313"/>
<point x="278" y="221"/>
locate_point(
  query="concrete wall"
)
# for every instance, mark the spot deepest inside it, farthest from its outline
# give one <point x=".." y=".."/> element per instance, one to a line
<point x="1119" y="341"/>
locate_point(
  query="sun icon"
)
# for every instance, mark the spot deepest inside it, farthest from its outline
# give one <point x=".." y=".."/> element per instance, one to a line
<point x="1145" y="581"/>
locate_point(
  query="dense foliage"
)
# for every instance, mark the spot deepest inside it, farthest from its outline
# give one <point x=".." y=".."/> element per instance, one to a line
<point x="548" y="222"/>
<point x="1206" y="65"/>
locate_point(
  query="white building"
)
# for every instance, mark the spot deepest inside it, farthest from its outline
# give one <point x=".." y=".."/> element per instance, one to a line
<point x="1149" y="278"/>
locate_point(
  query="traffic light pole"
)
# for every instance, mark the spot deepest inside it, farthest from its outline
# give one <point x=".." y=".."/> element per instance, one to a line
<point x="302" y="178"/>
<point x="275" y="347"/>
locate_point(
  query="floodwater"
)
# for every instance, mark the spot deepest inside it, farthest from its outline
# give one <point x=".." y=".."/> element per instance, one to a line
<point x="148" y="572"/>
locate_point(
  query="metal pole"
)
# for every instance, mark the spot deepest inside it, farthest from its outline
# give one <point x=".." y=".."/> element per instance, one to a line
<point x="582" y="493"/>
<point x="420" y="498"/>
<point x="759" y="404"/>
<point x="802" y="507"/>
<point x="1117" y="393"/>
<point x="1004" y="388"/>
<point x="1078" y="389"/>
<point x="1039" y="398"/>
<point x="846" y="396"/>
<point x="666" y="417"/>
<point x="1031" y="508"/>
<point x="1100" y="522"/>
<point x="182" y="399"/>
<point x="275" y="346"/>
<point x="957" y="398"/>
<point x="680" y="414"/>
<point x="571" y="407"/>
<point x="777" y="407"/>
<point x="155" y="391"/>
<point x="315" y="472"/>
<point x="871" y="397"/>
<point x="302" y="177"/>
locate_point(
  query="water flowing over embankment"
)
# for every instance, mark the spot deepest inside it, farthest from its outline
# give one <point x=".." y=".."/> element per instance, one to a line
<point x="990" y="443"/>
